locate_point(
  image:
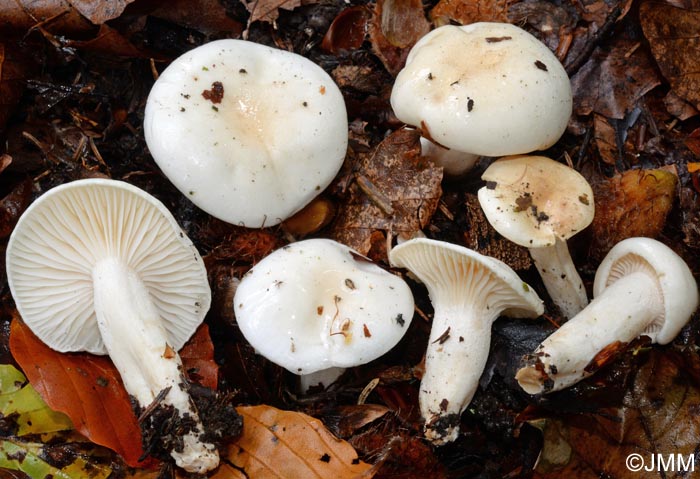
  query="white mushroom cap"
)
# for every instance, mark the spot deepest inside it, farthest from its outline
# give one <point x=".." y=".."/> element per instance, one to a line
<point x="249" y="133"/>
<point x="62" y="236"/>
<point x="491" y="89"/>
<point x="678" y="288"/>
<point x="317" y="304"/>
<point x="533" y="200"/>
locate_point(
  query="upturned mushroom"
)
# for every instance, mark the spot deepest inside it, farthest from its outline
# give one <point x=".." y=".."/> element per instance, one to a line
<point x="469" y="292"/>
<point x="480" y="88"/>
<point x="642" y="287"/>
<point x="101" y="266"/>
<point x="539" y="203"/>
<point x="316" y="307"/>
<point x="232" y="121"/>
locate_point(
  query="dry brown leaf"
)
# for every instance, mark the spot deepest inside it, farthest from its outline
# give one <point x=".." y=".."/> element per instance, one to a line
<point x="55" y="15"/>
<point x="277" y="443"/>
<point x="100" y="11"/>
<point x="611" y="82"/>
<point x="348" y="30"/>
<point x="469" y="11"/>
<point x="658" y="416"/>
<point x="634" y="203"/>
<point x="12" y="76"/>
<point x="207" y="16"/>
<point x="604" y="135"/>
<point x="268" y="10"/>
<point x="394" y="190"/>
<point x="109" y="41"/>
<point x="395" y="27"/>
<point x="674" y="36"/>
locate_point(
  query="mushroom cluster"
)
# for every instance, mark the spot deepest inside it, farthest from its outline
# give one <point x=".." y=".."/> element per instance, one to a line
<point x="101" y="266"/>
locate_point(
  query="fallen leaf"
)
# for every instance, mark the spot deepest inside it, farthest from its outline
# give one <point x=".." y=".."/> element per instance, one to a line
<point x="88" y="388"/>
<point x="56" y="16"/>
<point x="109" y="41"/>
<point x="395" y="27"/>
<point x="100" y="11"/>
<point x="278" y="443"/>
<point x="268" y="10"/>
<point x="394" y="190"/>
<point x="465" y="12"/>
<point x="612" y="80"/>
<point x="22" y="409"/>
<point x="348" y="30"/>
<point x="678" y="107"/>
<point x="85" y="387"/>
<point x="657" y="417"/>
<point x="207" y="16"/>
<point x="634" y="203"/>
<point x="13" y="205"/>
<point x="34" y="460"/>
<point x="198" y="359"/>
<point x="605" y="139"/>
<point x="12" y="78"/>
<point x="674" y="37"/>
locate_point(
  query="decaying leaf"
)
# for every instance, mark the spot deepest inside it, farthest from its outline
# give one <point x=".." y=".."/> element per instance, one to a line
<point x="88" y="389"/>
<point x="100" y="11"/>
<point x="34" y="460"/>
<point x="395" y="27"/>
<point x="203" y="15"/>
<point x="278" y="443"/>
<point x="348" y="30"/>
<point x="54" y="15"/>
<point x="634" y="203"/>
<point x="465" y="12"/>
<point x="481" y="237"/>
<point x="674" y="36"/>
<point x="12" y="206"/>
<point x="12" y="77"/>
<point x="22" y="410"/>
<point x="268" y="10"/>
<point x="393" y="190"/>
<point x="612" y="81"/>
<point x="656" y="418"/>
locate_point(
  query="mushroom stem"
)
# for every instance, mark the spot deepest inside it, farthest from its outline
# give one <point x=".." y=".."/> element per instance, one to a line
<point x="560" y="277"/>
<point x="458" y="348"/>
<point x="137" y="344"/>
<point x="621" y="313"/>
<point x="325" y="377"/>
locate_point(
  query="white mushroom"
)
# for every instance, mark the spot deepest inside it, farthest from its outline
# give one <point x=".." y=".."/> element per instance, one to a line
<point x="642" y="287"/>
<point x="101" y="266"/>
<point x="489" y="89"/>
<point x="317" y="305"/>
<point x="248" y="133"/>
<point x="539" y="203"/>
<point x="469" y="292"/>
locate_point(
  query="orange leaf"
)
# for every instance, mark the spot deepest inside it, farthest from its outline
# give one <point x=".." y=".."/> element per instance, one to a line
<point x="89" y="390"/>
<point x="278" y="443"/>
<point x="85" y="387"/>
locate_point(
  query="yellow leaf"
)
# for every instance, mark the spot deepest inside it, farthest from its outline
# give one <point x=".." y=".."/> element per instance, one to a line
<point x="284" y="444"/>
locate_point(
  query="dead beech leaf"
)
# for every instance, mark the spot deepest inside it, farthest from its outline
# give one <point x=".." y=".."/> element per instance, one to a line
<point x="207" y="16"/>
<point x="56" y="16"/>
<point x="12" y="77"/>
<point x="611" y="81"/>
<point x="348" y="30"/>
<point x="634" y="203"/>
<point x="13" y="205"/>
<point x="85" y="387"/>
<point x="100" y="11"/>
<point x="88" y="388"/>
<point x="109" y="41"/>
<point x="394" y="190"/>
<point x="674" y="37"/>
<point x="605" y="140"/>
<point x="268" y="10"/>
<point x="395" y="27"/>
<point x="657" y="416"/>
<point x="277" y="443"/>
<point x="469" y="11"/>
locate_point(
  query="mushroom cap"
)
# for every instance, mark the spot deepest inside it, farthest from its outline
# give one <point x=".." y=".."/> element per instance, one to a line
<point x="533" y="200"/>
<point x="674" y="278"/>
<point x="317" y="304"/>
<point x="455" y="275"/>
<point x="69" y="229"/>
<point x="250" y="134"/>
<point x="490" y="89"/>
